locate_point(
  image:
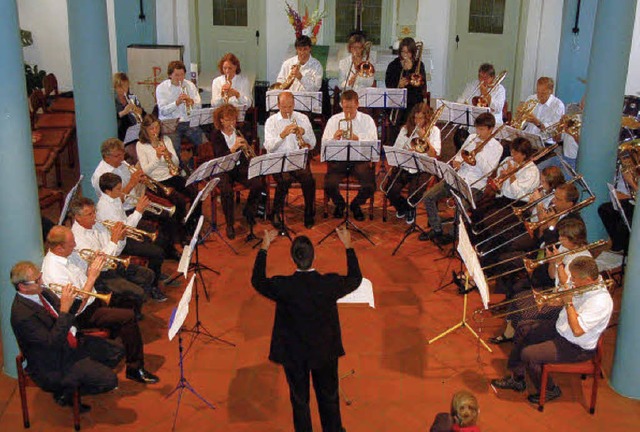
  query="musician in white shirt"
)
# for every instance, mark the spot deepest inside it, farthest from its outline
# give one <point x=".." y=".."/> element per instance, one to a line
<point x="305" y="70"/>
<point x="493" y="96"/>
<point x="486" y="159"/>
<point x="349" y="66"/>
<point x="548" y="111"/>
<point x="363" y="128"/>
<point x="286" y="131"/>
<point x="176" y="98"/>
<point x="415" y="128"/>
<point x="231" y="86"/>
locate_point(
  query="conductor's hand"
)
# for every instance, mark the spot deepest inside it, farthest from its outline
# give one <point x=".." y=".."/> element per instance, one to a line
<point x="268" y="238"/>
<point x="345" y="236"/>
<point x="66" y="298"/>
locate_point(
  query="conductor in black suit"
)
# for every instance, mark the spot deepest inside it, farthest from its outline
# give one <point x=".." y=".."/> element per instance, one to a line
<point x="306" y="333"/>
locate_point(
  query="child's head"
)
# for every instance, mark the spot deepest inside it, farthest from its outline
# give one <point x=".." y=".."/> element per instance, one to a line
<point x="464" y="408"/>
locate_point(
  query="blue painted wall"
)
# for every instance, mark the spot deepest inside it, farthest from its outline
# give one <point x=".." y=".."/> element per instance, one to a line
<point x="574" y="58"/>
<point x="130" y="29"/>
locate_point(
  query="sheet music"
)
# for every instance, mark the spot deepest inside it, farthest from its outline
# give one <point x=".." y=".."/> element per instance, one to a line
<point x="182" y="310"/>
<point x="200" y="116"/>
<point x="185" y="259"/>
<point x="363" y="294"/>
<point x="361" y="151"/>
<point x="209" y="188"/>
<point x="303" y="101"/>
<point x="510" y="133"/>
<point x="274" y="163"/>
<point x="169" y="126"/>
<point x="472" y="263"/>
<point x="67" y="200"/>
<point x="460" y="114"/>
<point x="411" y="161"/>
<point x="382" y="97"/>
<point x="613" y="194"/>
<point x="457" y="183"/>
<point x="214" y="167"/>
<point x="133" y="132"/>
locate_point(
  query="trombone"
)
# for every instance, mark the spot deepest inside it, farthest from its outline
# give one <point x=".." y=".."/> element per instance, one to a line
<point x="541" y="298"/>
<point x="151" y="184"/>
<point x="111" y="262"/>
<point x="57" y="288"/>
<point x="130" y="232"/>
<point x="153" y="207"/>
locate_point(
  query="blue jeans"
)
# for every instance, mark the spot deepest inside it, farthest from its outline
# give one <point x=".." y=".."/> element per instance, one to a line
<point x="193" y="134"/>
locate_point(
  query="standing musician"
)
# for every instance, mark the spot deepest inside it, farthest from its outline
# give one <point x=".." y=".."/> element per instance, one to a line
<point x="573" y="337"/>
<point x="399" y="74"/>
<point x="363" y="128"/>
<point x="626" y="184"/>
<point x="231" y="86"/>
<point x="306" y="333"/>
<point x="159" y="161"/>
<point x="176" y="98"/>
<point x="549" y="109"/>
<point x="349" y="66"/>
<point x="301" y="72"/>
<point x="225" y="139"/>
<point x="286" y="131"/>
<point x="45" y="332"/>
<point x="414" y="130"/>
<point x="128" y="106"/>
<point x="493" y="96"/>
<point x="487" y="160"/>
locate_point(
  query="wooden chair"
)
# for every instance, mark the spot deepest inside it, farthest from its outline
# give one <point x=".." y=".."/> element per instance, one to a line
<point x="590" y="367"/>
<point x="353" y="188"/>
<point x="57" y="103"/>
<point x="44" y="160"/>
<point x="47" y="119"/>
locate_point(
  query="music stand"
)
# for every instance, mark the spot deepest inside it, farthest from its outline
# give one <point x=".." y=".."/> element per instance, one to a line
<point x="67" y="200"/>
<point x="175" y="327"/>
<point x="382" y="97"/>
<point x="169" y="126"/>
<point x="509" y="133"/>
<point x="303" y="101"/>
<point x="200" y="117"/>
<point x="132" y="134"/>
<point x="349" y="151"/>
<point x="474" y="270"/>
<point x="459" y="114"/>
<point x="617" y="205"/>
<point x="279" y="163"/>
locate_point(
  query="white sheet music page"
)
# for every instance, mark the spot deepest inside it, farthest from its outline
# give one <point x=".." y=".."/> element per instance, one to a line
<point x="363" y="294"/>
<point x="181" y="312"/>
<point x="67" y="200"/>
<point x="470" y="258"/>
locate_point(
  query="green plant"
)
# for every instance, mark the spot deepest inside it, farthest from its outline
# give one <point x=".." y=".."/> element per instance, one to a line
<point x="33" y="77"/>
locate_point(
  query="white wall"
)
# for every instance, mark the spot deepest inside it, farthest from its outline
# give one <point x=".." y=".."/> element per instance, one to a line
<point x="432" y="27"/>
<point x="633" y="76"/>
<point x="172" y="25"/>
<point x="280" y="36"/>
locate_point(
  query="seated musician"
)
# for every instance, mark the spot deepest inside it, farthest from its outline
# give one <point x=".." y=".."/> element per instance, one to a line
<point x="301" y="72"/>
<point x="128" y="107"/>
<point x="129" y="285"/>
<point x="349" y="78"/>
<point x="225" y="140"/>
<point x="159" y="161"/>
<point x="46" y="334"/>
<point x="283" y="132"/>
<point x="62" y="265"/>
<point x="475" y="175"/>
<point x="572" y="234"/>
<point x="231" y="86"/>
<point x="626" y="185"/>
<point x="176" y="97"/>
<point x="363" y="128"/>
<point x="398" y="75"/>
<point x="110" y="207"/>
<point x="415" y="129"/>
<point x="548" y="111"/>
<point x="573" y="337"/>
<point x="485" y="92"/>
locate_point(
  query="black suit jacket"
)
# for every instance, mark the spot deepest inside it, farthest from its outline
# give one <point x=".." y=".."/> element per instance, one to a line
<point x="43" y="339"/>
<point x="220" y="148"/>
<point x="306" y="327"/>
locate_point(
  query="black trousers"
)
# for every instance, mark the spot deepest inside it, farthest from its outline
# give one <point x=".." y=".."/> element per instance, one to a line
<point x="362" y="171"/>
<point x="151" y="251"/>
<point x="325" y="384"/>
<point x="255" y="185"/>
<point x="129" y="286"/>
<point x="307" y="182"/>
<point x="614" y="224"/>
<point x="87" y="375"/>
<point x="120" y="322"/>
<point x="403" y="179"/>
<point x="537" y="342"/>
<point x="179" y="197"/>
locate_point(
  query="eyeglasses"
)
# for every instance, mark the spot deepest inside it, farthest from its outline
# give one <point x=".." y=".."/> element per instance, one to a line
<point x="37" y="281"/>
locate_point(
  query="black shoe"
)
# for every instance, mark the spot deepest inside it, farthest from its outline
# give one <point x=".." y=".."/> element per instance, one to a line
<point x="357" y="212"/>
<point x="157" y="295"/>
<point x="510" y="383"/>
<point x="231" y="232"/>
<point x="142" y="376"/>
<point x="497" y="340"/>
<point x="552" y="393"/>
<point x="400" y="214"/>
<point x="411" y="216"/>
<point x="431" y="235"/>
<point x="309" y="221"/>
<point x="276" y="220"/>
<point x="338" y="212"/>
<point x="67" y="401"/>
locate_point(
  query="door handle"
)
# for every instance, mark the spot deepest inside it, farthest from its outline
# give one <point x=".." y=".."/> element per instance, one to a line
<point x="258" y="37"/>
<point x="457" y="40"/>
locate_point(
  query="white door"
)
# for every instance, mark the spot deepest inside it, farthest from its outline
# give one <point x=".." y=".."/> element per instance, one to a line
<point x="486" y="32"/>
<point x="229" y="26"/>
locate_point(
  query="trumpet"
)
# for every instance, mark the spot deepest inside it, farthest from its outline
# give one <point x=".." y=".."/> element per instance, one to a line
<point x="301" y="143"/>
<point x="111" y="262"/>
<point x="347" y="130"/>
<point x="247" y="150"/>
<point x="57" y="288"/>
<point x="153" y="207"/>
<point x="189" y="102"/>
<point x="225" y="93"/>
<point x="174" y="170"/>
<point x="151" y="184"/>
<point x="135" y="109"/>
<point x="131" y="232"/>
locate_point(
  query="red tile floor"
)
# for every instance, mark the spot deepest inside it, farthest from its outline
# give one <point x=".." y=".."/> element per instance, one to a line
<point x="399" y="381"/>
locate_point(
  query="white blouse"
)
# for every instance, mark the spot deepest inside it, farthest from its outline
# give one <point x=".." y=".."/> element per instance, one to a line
<point x="153" y="165"/>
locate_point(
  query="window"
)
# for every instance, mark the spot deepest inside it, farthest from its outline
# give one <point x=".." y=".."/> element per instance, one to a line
<point x="345" y="16"/>
<point x="230" y="13"/>
<point x="486" y="16"/>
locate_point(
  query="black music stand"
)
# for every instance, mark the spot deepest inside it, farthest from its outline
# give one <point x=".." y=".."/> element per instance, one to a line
<point x="279" y="163"/>
<point x="349" y="151"/>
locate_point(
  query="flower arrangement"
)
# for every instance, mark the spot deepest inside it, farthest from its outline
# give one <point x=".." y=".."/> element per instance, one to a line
<point x="305" y="25"/>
